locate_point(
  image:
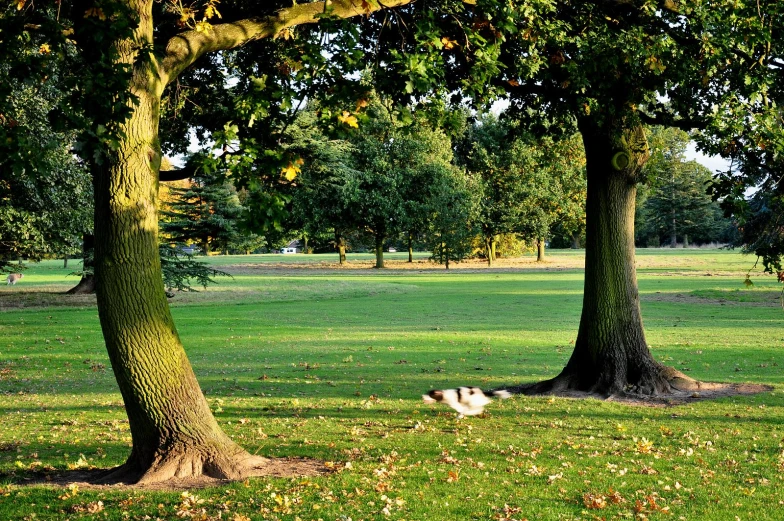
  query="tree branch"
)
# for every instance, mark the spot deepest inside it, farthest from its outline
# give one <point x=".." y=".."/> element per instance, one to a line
<point x="668" y="120"/>
<point x="180" y="174"/>
<point x="187" y="47"/>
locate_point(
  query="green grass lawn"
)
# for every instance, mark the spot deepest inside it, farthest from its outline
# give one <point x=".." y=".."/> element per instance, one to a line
<point x="331" y="364"/>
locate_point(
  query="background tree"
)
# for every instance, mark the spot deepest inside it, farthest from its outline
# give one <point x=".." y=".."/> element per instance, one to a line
<point x="484" y="152"/>
<point x="453" y="203"/>
<point x="323" y="198"/>
<point x="393" y="166"/>
<point x="375" y="186"/>
<point x="675" y="200"/>
<point x="205" y="212"/>
<point x="526" y="185"/>
<point x="45" y="191"/>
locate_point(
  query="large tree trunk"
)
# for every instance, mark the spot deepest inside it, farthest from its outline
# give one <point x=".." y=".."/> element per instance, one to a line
<point x="379" y="251"/>
<point x="173" y="431"/>
<point x="410" y="247"/>
<point x="611" y="355"/>
<point x="575" y="241"/>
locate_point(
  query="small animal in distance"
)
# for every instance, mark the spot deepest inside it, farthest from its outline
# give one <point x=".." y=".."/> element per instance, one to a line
<point x="467" y="401"/>
<point x="13" y="278"/>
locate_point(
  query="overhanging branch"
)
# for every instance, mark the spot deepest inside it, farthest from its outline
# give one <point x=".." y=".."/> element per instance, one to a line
<point x="180" y="174"/>
<point x="187" y="47"/>
<point x="669" y="120"/>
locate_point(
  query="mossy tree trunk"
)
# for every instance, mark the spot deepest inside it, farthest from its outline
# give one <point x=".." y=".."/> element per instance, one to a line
<point x="611" y="355"/>
<point x="174" y="433"/>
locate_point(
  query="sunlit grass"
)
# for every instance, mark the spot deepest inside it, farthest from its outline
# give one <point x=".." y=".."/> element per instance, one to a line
<point x="331" y="364"/>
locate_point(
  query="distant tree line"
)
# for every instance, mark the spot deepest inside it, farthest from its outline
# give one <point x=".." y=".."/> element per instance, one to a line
<point x="454" y="185"/>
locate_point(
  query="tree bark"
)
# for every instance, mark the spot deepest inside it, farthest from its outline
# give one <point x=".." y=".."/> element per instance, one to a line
<point x="410" y="247"/>
<point x="65" y="261"/>
<point x="173" y="431"/>
<point x="379" y="251"/>
<point x="540" y="256"/>
<point x="489" y="250"/>
<point x="575" y="241"/>
<point x="611" y="356"/>
<point x="86" y="285"/>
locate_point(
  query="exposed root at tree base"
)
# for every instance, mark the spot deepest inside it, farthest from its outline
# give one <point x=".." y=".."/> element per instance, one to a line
<point x="682" y="390"/>
<point x="117" y="479"/>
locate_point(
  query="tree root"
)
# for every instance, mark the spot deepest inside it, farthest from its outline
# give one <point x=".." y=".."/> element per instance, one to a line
<point x="194" y="464"/>
<point x="665" y="386"/>
<point x="86" y="286"/>
<point x="184" y="464"/>
<point x="192" y="469"/>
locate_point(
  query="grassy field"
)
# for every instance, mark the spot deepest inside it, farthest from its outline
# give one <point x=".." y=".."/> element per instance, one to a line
<point x="298" y="357"/>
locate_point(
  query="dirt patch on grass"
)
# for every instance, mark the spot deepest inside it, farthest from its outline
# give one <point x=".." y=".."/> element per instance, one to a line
<point x="739" y="298"/>
<point x="91" y="479"/>
<point x="38" y="298"/>
<point x="398" y="266"/>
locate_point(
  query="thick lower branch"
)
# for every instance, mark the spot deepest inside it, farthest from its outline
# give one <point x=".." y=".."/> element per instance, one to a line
<point x="187" y="47"/>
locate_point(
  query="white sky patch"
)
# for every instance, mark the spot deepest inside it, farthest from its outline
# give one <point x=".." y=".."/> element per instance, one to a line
<point x="712" y="163"/>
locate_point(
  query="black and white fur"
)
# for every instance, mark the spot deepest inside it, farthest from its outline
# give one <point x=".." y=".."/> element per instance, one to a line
<point x="467" y="401"/>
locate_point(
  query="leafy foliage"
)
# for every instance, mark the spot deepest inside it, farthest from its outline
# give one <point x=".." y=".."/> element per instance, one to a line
<point x="452" y="223"/>
<point x="526" y="184"/>
<point x="205" y="212"/>
<point x="45" y="191"/>
<point x="180" y="268"/>
<point x="675" y="200"/>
